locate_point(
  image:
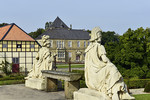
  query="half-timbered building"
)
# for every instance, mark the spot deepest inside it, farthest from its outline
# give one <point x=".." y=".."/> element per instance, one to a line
<point x="17" y="47"/>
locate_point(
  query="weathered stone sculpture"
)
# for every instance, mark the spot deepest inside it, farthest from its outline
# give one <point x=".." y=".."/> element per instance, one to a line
<point x="100" y="74"/>
<point x="44" y="61"/>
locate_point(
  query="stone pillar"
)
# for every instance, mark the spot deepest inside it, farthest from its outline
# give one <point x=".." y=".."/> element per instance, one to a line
<point x="70" y="87"/>
<point x="51" y="85"/>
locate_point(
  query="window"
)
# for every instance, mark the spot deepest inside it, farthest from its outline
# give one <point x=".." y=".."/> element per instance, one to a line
<point x="51" y="43"/>
<point x="57" y="43"/>
<point x="84" y="43"/>
<point x="32" y="46"/>
<point x="15" y="60"/>
<point x="78" y="43"/>
<point x="19" y="46"/>
<point x="88" y="43"/>
<point x="61" y="54"/>
<point x="69" y="43"/>
<point x="69" y="54"/>
<point x="5" y="45"/>
<point x="60" y="44"/>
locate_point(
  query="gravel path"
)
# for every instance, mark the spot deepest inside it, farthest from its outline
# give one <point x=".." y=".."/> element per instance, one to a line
<point x="138" y="91"/>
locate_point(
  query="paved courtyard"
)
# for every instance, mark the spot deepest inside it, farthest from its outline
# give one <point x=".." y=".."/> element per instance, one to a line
<point x="20" y="92"/>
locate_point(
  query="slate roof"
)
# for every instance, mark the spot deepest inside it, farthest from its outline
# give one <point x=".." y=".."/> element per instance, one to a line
<point x="58" y="23"/>
<point x="66" y="34"/>
<point x="56" y="31"/>
<point x="14" y="32"/>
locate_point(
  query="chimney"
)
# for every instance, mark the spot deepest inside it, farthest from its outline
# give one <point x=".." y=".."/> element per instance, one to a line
<point x="70" y="26"/>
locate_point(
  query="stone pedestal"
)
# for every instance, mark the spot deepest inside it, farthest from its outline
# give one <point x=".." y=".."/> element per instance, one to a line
<point x="35" y="83"/>
<point x="51" y="85"/>
<point x="88" y="94"/>
<point x="70" y="87"/>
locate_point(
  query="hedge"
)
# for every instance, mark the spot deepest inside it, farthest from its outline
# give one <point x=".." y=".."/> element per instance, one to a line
<point x="136" y="83"/>
<point x="11" y="78"/>
<point x="132" y="83"/>
<point x="8" y="82"/>
<point x="147" y="87"/>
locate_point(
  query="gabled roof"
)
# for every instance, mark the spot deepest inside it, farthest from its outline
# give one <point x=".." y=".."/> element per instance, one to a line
<point x="58" y="23"/>
<point x="13" y="32"/>
<point x="66" y="34"/>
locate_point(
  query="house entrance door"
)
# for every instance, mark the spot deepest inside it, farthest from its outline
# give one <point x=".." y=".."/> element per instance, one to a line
<point x="77" y="57"/>
<point x="15" y="66"/>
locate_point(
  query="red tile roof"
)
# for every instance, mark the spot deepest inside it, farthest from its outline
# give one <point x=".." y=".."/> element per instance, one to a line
<point x="13" y="32"/>
<point x="3" y="30"/>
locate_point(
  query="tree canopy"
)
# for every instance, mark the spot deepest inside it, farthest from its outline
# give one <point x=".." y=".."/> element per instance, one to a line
<point x="38" y="32"/>
<point x="3" y="24"/>
<point x="132" y="52"/>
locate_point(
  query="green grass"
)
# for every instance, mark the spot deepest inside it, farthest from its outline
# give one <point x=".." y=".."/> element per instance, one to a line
<point x="72" y="66"/>
<point x="142" y="97"/>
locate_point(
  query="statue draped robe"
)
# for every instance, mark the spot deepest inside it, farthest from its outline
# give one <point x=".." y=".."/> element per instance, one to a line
<point x="44" y="61"/>
<point x="99" y="75"/>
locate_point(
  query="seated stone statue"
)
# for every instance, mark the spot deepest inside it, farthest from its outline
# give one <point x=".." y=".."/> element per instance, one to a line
<point x="100" y="74"/>
<point x="44" y="60"/>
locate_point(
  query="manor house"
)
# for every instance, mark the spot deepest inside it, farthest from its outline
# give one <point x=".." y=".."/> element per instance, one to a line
<point x="66" y="42"/>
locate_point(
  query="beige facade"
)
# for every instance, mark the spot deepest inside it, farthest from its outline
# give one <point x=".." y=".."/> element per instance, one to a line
<point x="66" y="49"/>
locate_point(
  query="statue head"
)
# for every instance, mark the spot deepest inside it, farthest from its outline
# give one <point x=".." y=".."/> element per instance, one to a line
<point x="45" y="41"/>
<point x="96" y="34"/>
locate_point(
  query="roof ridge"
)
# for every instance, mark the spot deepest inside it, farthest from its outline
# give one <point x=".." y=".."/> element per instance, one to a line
<point x="7" y="31"/>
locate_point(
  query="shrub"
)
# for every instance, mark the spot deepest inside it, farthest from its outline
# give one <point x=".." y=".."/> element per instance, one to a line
<point x="6" y="67"/>
<point x="131" y="83"/>
<point x="8" y="82"/>
<point x="80" y="72"/>
<point x="147" y="87"/>
<point x="12" y="78"/>
<point x="136" y="83"/>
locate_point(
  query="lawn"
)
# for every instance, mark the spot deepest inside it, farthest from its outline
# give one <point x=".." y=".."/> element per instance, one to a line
<point x="142" y="97"/>
<point x="72" y="65"/>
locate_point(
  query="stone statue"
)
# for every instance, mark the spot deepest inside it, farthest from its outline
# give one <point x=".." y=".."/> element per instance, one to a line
<point x="100" y="74"/>
<point x="44" y="60"/>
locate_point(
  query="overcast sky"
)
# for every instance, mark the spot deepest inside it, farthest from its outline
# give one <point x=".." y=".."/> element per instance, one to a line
<point x="109" y="15"/>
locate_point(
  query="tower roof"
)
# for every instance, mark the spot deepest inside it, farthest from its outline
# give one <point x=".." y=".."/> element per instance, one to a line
<point x="58" y="23"/>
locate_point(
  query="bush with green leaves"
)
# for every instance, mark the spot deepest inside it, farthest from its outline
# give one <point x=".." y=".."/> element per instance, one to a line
<point x="147" y="87"/>
<point x="6" y="67"/>
<point x="9" y="77"/>
<point x="131" y="82"/>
